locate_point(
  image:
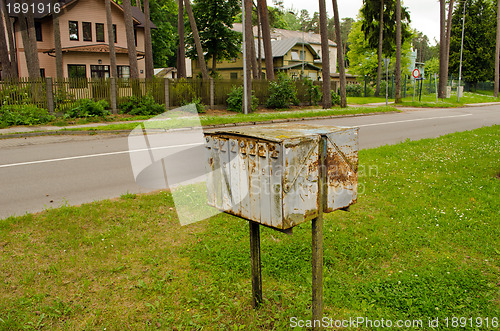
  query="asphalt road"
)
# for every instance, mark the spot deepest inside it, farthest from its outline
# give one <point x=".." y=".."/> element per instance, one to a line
<point x="44" y="172"/>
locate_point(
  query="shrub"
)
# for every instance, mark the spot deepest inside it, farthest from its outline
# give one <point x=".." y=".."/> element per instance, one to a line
<point x="313" y="92"/>
<point x="354" y="90"/>
<point x="15" y="94"/>
<point x="185" y="93"/>
<point x="88" y="108"/>
<point x="335" y="98"/>
<point x="141" y="106"/>
<point x="282" y="92"/>
<point x="23" y="115"/>
<point x="235" y="100"/>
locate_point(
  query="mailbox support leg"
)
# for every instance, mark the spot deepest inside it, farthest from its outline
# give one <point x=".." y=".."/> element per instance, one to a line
<point x="256" y="265"/>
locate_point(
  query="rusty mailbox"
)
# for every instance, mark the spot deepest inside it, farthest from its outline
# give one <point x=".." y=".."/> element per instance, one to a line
<point x="270" y="174"/>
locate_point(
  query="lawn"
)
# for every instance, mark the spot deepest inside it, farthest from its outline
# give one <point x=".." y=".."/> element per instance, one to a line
<point x="422" y="242"/>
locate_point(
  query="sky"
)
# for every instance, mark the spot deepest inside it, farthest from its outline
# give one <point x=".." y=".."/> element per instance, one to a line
<point x="424" y="14"/>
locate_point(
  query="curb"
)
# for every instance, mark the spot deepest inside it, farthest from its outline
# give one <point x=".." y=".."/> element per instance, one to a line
<point x="216" y="126"/>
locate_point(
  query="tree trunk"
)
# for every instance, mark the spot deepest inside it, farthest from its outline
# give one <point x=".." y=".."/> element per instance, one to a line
<point x="248" y="42"/>
<point x="497" y="54"/>
<point x="57" y="46"/>
<point x="443" y="79"/>
<point x="448" y="36"/>
<point x="214" y="64"/>
<point x="181" y="51"/>
<point x="196" y="37"/>
<point x="251" y="39"/>
<point x="325" y="55"/>
<point x="29" y="53"/>
<point x="111" y="37"/>
<point x="266" y="36"/>
<point x="340" y="57"/>
<point x="10" y="37"/>
<point x="4" y="52"/>
<point x="380" y="48"/>
<point x="259" y="45"/>
<point x="33" y="42"/>
<point x="132" y="48"/>
<point x="138" y="4"/>
<point x="148" y="46"/>
<point x="398" y="52"/>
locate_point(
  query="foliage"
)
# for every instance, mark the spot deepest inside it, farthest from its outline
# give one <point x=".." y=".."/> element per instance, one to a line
<point x="23" y="115"/>
<point x="354" y="90"/>
<point x="363" y="58"/>
<point x="185" y="93"/>
<point x="214" y="19"/>
<point x="145" y="105"/>
<point x="421" y="44"/>
<point x="282" y="92"/>
<point x="313" y="92"/>
<point x="164" y="38"/>
<point x="235" y="100"/>
<point x="14" y="93"/>
<point x="479" y="41"/>
<point x="335" y="98"/>
<point x="88" y="108"/>
<point x="432" y="66"/>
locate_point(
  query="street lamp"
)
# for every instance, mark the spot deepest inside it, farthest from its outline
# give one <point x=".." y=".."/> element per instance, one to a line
<point x="245" y="95"/>
<point x="461" y="54"/>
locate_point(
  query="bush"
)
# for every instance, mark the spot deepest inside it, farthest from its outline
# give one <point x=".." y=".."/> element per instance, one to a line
<point x="335" y="98"/>
<point x="88" y="108"/>
<point x="185" y="93"/>
<point x="141" y="106"/>
<point x="313" y="92"/>
<point x="15" y="94"/>
<point x="235" y="100"/>
<point x="354" y="90"/>
<point x="23" y="115"/>
<point x="282" y="92"/>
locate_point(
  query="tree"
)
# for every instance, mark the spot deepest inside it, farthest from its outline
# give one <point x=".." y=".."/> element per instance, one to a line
<point x="266" y="37"/>
<point x="165" y="38"/>
<point x="10" y="37"/>
<point x="148" y="47"/>
<point x="181" y="51"/>
<point x="197" y="41"/>
<point x="497" y="53"/>
<point x="421" y="44"/>
<point x="131" y="47"/>
<point x="448" y="35"/>
<point x="479" y="41"/>
<point x="340" y="58"/>
<point x="111" y="41"/>
<point x="398" y="52"/>
<point x="30" y="48"/>
<point x="443" y="77"/>
<point x="4" y="53"/>
<point x="325" y="55"/>
<point x="248" y="48"/>
<point x="214" y="21"/>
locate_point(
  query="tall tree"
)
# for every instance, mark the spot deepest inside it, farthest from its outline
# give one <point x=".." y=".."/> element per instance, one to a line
<point x="248" y="48"/>
<point x="398" y="52"/>
<point x="197" y="42"/>
<point x="340" y="58"/>
<point x="325" y="55"/>
<point x="30" y="48"/>
<point x="4" y="52"/>
<point x="497" y="54"/>
<point x="443" y="77"/>
<point x="251" y="38"/>
<point x="10" y="37"/>
<point x="259" y="44"/>
<point x="148" y="47"/>
<point x="57" y="44"/>
<point x="131" y="47"/>
<point x="448" y="34"/>
<point x="111" y="41"/>
<point x="266" y="37"/>
<point x="181" y="50"/>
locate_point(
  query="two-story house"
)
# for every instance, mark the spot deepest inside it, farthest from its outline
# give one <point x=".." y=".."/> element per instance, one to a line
<point x="84" y="40"/>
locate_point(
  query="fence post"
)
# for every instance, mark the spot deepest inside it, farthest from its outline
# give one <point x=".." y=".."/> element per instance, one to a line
<point x="112" y="95"/>
<point x="404" y="93"/>
<point x="50" y="94"/>
<point x="166" y="84"/>
<point x="392" y="87"/>
<point x="212" y="93"/>
<point x="430" y="84"/>
<point x="366" y="77"/>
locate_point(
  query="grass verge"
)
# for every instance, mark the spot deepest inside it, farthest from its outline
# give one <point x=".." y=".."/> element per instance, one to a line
<point x="422" y="242"/>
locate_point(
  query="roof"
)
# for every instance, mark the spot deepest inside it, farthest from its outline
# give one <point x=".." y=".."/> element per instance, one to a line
<point x="282" y="47"/>
<point x="97" y="48"/>
<point x="277" y="34"/>
<point x="137" y="14"/>
<point x="296" y="65"/>
<point x="163" y="71"/>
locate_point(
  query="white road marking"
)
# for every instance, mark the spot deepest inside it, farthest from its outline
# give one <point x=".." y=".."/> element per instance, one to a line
<point x="195" y="144"/>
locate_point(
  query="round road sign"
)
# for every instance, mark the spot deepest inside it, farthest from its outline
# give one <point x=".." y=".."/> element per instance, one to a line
<point x="416" y="73"/>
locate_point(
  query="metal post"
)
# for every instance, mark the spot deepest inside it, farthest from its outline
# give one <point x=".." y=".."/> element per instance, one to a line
<point x="414" y="88"/>
<point x="392" y="87"/>
<point x="317" y="243"/>
<point x="404" y="93"/>
<point x="461" y="55"/>
<point x="436" y="83"/>
<point x="365" y="85"/>
<point x="430" y="84"/>
<point x="245" y="95"/>
<point x="112" y="94"/>
<point x="212" y="93"/>
<point x="256" y="265"/>
<point x="167" y="93"/>
<point x="49" y="94"/>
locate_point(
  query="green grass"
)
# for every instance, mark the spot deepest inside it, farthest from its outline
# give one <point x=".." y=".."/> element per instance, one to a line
<point x="241" y="118"/>
<point x="422" y="242"/>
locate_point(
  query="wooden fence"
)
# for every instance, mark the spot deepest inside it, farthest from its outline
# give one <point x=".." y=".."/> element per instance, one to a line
<point x="62" y="94"/>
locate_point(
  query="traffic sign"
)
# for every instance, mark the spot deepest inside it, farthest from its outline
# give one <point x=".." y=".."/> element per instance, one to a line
<point x="416" y="73"/>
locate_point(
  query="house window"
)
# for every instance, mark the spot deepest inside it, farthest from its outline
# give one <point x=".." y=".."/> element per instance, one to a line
<point x="99" y="32"/>
<point x="38" y="31"/>
<point x="99" y="71"/>
<point x="77" y="74"/>
<point x="123" y="71"/>
<point x="87" y="31"/>
<point x="42" y="72"/>
<point x="114" y="33"/>
<point x="302" y="55"/>
<point x="295" y="56"/>
<point x="234" y="75"/>
<point x="135" y="36"/>
<point x="73" y="30"/>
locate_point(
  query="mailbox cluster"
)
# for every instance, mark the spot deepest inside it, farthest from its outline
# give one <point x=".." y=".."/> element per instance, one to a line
<point x="270" y="174"/>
